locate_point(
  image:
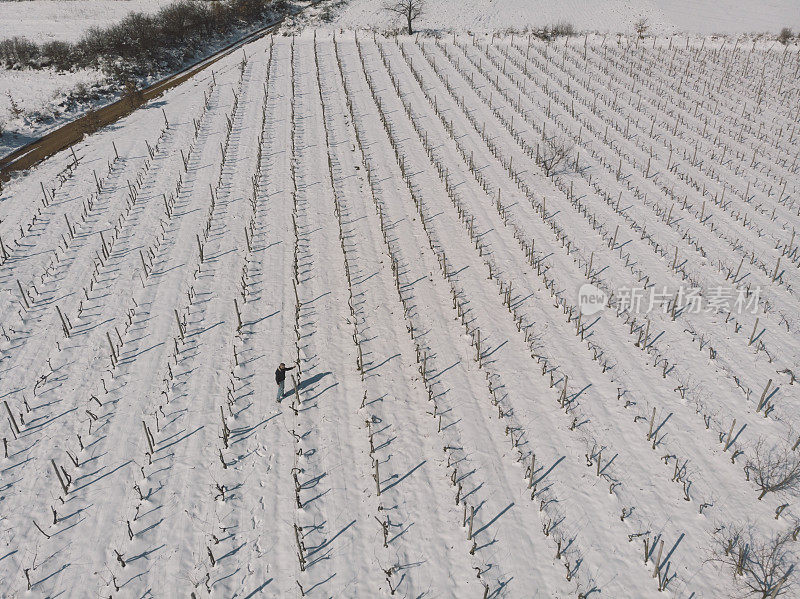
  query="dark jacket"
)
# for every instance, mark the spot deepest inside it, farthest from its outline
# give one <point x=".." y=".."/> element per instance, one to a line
<point x="280" y="374"/>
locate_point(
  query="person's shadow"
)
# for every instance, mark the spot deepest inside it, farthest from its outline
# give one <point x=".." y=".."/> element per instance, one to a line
<point x="307" y="383"/>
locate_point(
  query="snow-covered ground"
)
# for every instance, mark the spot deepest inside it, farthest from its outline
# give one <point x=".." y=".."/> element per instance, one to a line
<point x="41" y="96"/>
<point x="377" y="212"/>
<point x="44" y="20"/>
<point x="33" y="101"/>
<point x="664" y="16"/>
<point x="66" y="20"/>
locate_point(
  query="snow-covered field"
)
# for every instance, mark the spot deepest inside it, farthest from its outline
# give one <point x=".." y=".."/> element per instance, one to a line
<point x="47" y="20"/>
<point x="33" y="101"/>
<point x="377" y="211"/>
<point x="665" y="16"/>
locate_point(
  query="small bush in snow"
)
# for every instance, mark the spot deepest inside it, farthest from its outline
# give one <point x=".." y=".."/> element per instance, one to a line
<point x="785" y="35"/>
<point x="132" y="93"/>
<point x="57" y="54"/>
<point x="640" y="27"/>
<point x="562" y="28"/>
<point x="329" y="12"/>
<point x="15" y="109"/>
<point x="554" y="153"/>
<point x="762" y="566"/>
<point x="18" y="52"/>
<point x="774" y="469"/>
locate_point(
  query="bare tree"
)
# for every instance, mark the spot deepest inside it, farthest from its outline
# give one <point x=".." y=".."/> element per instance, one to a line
<point x="785" y="35"/>
<point x="132" y="93"/>
<point x="553" y="153"/>
<point x="762" y="567"/>
<point x="774" y="469"/>
<point x="640" y="27"/>
<point x="408" y="9"/>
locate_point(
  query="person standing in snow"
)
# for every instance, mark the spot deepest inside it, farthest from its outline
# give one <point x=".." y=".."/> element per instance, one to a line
<point x="280" y="378"/>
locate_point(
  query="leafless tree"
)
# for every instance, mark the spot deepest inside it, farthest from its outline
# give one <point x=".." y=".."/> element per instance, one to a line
<point x="132" y="93"/>
<point x="16" y="110"/>
<point x="408" y="9"/>
<point x="774" y="469"/>
<point x="640" y="27"/>
<point x="762" y="566"/>
<point x="785" y="35"/>
<point x="553" y="153"/>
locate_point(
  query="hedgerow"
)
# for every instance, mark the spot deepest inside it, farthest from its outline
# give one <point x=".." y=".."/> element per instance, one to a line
<point x="143" y="44"/>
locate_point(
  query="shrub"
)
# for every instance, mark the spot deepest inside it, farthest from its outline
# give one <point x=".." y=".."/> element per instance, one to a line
<point x="562" y="28"/>
<point x="18" y="52"/>
<point x="131" y="93"/>
<point x="248" y="10"/>
<point x="142" y="44"/>
<point x="328" y="13"/>
<point x="554" y="153"/>
<point x="640" y="27"/>
<point x="785" y="35"/>
<point x="90" y="46"/>
<point x="135" y="38"/>
<point x="183" y="20"/>
<point x="15" y="109"/>
<point x="57" y="54"/>
<point x="762" y="566"/>
<point x="774" y="469"/>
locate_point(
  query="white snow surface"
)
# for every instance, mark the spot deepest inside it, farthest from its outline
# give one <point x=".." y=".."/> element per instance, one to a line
<point x="33" y="101"/>
<point x="370" y="210"/>
<point x="664" y="16"/>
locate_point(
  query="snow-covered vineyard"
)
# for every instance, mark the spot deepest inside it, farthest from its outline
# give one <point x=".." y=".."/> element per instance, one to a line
<point x="409" y="220"/>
